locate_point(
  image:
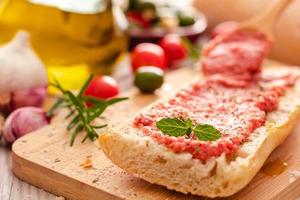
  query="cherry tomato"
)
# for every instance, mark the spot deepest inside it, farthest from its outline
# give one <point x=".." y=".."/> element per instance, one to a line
<point x="224" y="27"/>
<point x="173" y="47"/>
<point x="102" y="87"/>
<point x="137" y="18"/>
<point x="146" y="54"/>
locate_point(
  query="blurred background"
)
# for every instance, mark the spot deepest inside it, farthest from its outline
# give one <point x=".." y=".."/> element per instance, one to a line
<point x="75" y="38"/>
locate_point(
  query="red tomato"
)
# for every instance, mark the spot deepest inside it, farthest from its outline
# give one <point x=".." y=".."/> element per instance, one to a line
<point x="148" y="54"/>
<point x="136" y="17"/>
<point x="102" y="87"/>
<point x="173" y="47"/>
<point x="224" y="28"/>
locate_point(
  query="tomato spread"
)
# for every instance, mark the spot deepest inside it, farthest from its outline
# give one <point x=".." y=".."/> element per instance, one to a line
<point x="234" y="97"/>
<point x="234" y="109"/>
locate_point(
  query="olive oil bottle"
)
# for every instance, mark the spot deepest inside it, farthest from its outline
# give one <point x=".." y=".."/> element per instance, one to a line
<point x="72" y="37"/>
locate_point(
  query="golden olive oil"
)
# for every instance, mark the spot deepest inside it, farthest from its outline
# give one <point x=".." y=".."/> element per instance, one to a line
<point x="72" y="37"/>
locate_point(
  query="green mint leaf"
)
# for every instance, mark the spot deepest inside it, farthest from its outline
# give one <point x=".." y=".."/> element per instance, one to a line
<point x="206" y="132"/>
<point x="189" y="124"/>
<point x="174" y="126"/>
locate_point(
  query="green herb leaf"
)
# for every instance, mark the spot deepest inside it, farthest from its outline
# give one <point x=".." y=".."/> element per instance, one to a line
<point x="189" y="124"/>
<point x="77" y="103"/>
<point x="71" y="112"/>
<point x="54" y="107"/>
<point x="206" y="132"/>
<point x="116" y="100"/>
<point x="97" y="113"/>
<point x="177" y="127"/>
<point x="174" y="126"/>
<point x="85" y="85"/>
<point x="57" y="85"/>
<point x="73" y="122"/>
<point x="75" y="133"/>
<point x="93" y="100"/>
<point x="101" y="126"/>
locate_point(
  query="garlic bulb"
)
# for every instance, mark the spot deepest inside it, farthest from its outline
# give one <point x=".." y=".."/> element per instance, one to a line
<point x="22" y="121"/>
<point x="23" y="77"/>
<point x="20" y="67"/>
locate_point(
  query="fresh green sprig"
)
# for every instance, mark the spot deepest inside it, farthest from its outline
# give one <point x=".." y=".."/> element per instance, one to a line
<point x="82" y="116"/>
<point x="177" y="127"/>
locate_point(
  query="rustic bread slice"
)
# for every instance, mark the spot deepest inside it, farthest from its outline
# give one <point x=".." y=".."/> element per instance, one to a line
<point x="218" y="177"/>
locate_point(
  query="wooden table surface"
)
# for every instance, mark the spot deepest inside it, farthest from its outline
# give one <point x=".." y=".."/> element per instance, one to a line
<point x="11" y="188"/>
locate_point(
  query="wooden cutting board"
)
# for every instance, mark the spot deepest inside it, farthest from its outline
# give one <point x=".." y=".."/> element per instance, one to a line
<point x="45" y="159"/>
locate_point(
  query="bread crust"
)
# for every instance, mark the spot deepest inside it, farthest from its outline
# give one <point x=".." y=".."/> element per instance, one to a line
<point x="218" y="177"/>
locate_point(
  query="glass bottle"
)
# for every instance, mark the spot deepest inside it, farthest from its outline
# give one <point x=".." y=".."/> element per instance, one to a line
<point x="72" y="37"/>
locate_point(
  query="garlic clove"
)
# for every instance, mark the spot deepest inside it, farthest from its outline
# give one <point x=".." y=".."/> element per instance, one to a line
<point x="20" y="67"/>
<point x="22" y="121"/>
<point x="31" y="97"/>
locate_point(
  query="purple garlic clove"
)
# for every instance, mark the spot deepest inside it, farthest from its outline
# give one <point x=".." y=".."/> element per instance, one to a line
<point x="29" y="97"/>
<point x="22" y="121"/>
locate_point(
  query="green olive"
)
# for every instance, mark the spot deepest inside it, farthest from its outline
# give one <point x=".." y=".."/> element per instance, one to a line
<point x="185" y="19"/>
<point x="149" y="78"/>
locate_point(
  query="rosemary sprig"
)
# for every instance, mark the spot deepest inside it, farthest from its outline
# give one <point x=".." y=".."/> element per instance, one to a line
<point x="82" y="116"/>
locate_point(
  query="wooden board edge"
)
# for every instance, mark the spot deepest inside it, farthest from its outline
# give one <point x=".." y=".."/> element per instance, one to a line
<point x="21" y="170"/>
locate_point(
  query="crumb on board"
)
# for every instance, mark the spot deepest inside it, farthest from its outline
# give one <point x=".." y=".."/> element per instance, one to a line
<point x="88" y="163"/>
<point x="95" y="180"/>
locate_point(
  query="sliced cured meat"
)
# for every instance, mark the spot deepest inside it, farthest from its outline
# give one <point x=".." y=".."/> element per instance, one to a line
<point x="238" y="55"/>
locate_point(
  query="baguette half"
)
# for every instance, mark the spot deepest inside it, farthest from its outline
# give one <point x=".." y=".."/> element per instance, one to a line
<point x="218" y="177"/>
